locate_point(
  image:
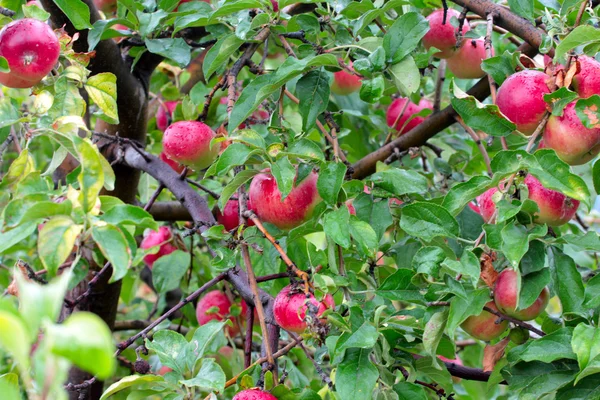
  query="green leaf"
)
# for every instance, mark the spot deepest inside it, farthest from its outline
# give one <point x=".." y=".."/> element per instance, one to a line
<point x="102" y="89"/>
<point x="567" y="282"/>
<point x="170" y="347"/>
<point x="434" y="330"/>
<point x="484" y="117"/>
<point x="210" y="377"/>
<point x="114" y="247"/>
<point x="405" y="75"/>
<point x="531" y="287"/>
<point x="91" y="177"/>
<point x="365" y="337"/>
<point x="9" y="386"/>
<point x="404" y="36"/>
<point x="356" y="376"/>
<point x="206" y="338"/>
<point x="592" y="293"/>
<point x="515" y="242"/>
<point x="129" y="381"/>
<point x="580" y="36"/>
<point x="127" y="214"/>
<point x="150" y="21"/>
<point x="90" y="352"/>
<point x="429" y="366"/>
<point x="239" y="179"/>
<point x="364" y="236"/>
<point x="67" y="99"/>
<point x="4" y="67"/>
<point x="524" y="8"/>
<point x="168" y="270"/>
<point x="587" y="111"/>
<point x="233" y="6"/>
<point x="11" y="237"/>
<point x="265" y="85"/>
<point x="502" y="66"/>
<point x="39" y="210"/>
<point x="77" y="11"/>
<point x="399" y="286"/>
<point x="534" y="380"/>
<point x="462" y="194"/>
<point x="284" y="173"/>
<point x="371" y="90"/>
<point x="56" y="241"/>
<point x="410" y="391"/>
<point x="174" y="49"/>
<point x="307" y="149"/>
<point x="21" y="167"/>
<point x="40" y="303"/>
<point x="400" y="181"/>
<point x="596" y="175"/>
<point x="468" y="265"/>
<point x="195" y="14"/>
<point x="428" y="259"/>
<point x="219" y="54"/>
<point x="335" y="225"/>
<point x="559" y="99"/>
<point x="549" y="348"/>
<point x="330" y="181"/>
<point x="586" y="344"/>
<point x="313" y="92"/>
<point x="14" y="339"/>
<point x="428" y="221"/>
<point x="235" y="154"/>
<point x="461" y="309"/>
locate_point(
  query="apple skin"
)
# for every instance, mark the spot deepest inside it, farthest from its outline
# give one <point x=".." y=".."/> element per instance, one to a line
<point x="289" y="309"/>
<point x="483" y="326"/>
<point x="574" y="143"/>
<point x="189" y="143"/>
<point x="218" y="299"/>
<point x="254" y="394"/>
<point x="31" y="49"/>
<point x="173" y="164"/>
<point x="164" y="113"/>
<point x="294" y="210"/>
<point x="154" y="238"/>
<point x="486" y="205"/>
<point x="396" y="108"/>
<point x="229" y="218"/>
<point x="521" y="99"/>
<point x="163" y="370"/>
<point x="506" y="296"/>
<point x="555" y="208"/>
<point x="443" y="36"/>
<point x="106" y="6"/>
<point x="345" y="83"/>
<point x="587" y="81"/>
<point x="466" y="62"/>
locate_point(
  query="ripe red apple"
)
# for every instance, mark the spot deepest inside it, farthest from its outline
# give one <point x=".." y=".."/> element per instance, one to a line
<point x="484" y="326"/>
<point x="173" y="164"/>
<point x="164" y="113"/>
<point x="443" y="36"/>
<point x="254" y="394"/>
<point x="106" y="6"/>
<point x="161" y="237"/>
<point x="555" y="208"/>
<point x="31" y="49"/>
<point x="466" y="62"/>
<point x="163" y="370"/>
<point x="230" y="218"/>
<point x="290" y="308"/>
<point x="486" y="205"/>
<point x="521" y="99"/>
<point x="587" y="81"/>
<point x="506" y="297"/>
<point x="294" y="210"/>
<point x="275" y="5"/>
<point x="189" y="143"/>
<point x="574" y="143"/>
<point x="345" y="83"/>
<point x="396" y="108"/>
<point x="218" y="299"/>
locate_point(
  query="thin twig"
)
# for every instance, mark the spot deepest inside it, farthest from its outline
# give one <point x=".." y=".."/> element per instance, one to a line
<point x="212" y="193"/>
<point x="515" y="321"/>
<point x="90" y="286"/>
<point x="6" y="12"/>
<point x="439" y="85"/>
<point x="478" y="142"/>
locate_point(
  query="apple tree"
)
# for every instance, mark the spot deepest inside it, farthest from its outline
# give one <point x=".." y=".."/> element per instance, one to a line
<point x="259" y="200"/>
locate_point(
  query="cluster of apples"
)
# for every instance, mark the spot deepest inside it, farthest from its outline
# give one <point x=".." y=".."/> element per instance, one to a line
<point x="485" y="326"/>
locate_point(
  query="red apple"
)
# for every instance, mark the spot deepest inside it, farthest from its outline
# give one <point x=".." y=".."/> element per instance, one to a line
<point x="31" y="49"/>
<point x="163" y="370"/>
<point x="275" y="5"/>
<point x="587" y="81"/>
<point x="396" y="108"/>
<point x="443" y="36"/>
<point x="218" y="299"/>
<point x="486" y="205"/>
<point x="173" y="164"/>
<point x="289" y="308"/>
<point x="106" y="6"/>
<point x="345" y="83"/>
<point x="484" y="326"/>
<point x="161" y="237"/>
<point x="466" y="62"/>
<point x="164" y="113"/>
<point x="254" y="394"/>
<point x="574" y="143"/>
<point x="521" y="99"/>
<point x="506" y="297"/>
<point x="189" y="143"/>
<point x="555" y="208"/>
<point x="289" y="213"/>
<point x="230" y="217"/>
